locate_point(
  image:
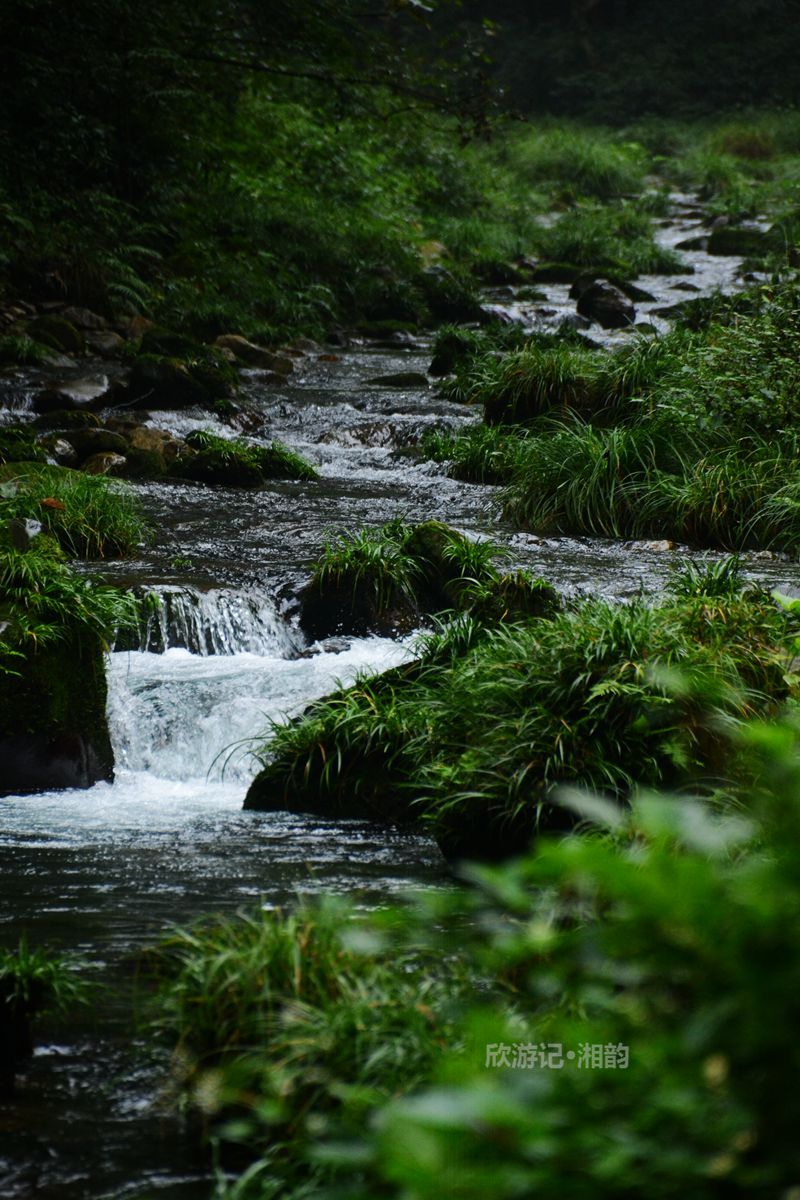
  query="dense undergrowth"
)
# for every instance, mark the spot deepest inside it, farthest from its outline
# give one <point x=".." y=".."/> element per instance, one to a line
<point x="473" y="737"/>
<point x="309" y="219"/>
<point x="48" y="514"/>
<point x="690" y="436"/>
<point x="612" y="1013"/>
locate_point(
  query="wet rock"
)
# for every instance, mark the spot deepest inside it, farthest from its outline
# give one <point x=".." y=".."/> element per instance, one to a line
<point x="56" y="332"/>
<point x="401" y="379"/>
<point x="556" y="272"/>
<point x="105" y="343"/>
<point x="53" y="728"/>
<point x="746" y="243"/>
<point x="83" y="318"/>
<point x="87" y="442"/>
<point x="151" y="452"/>
<point x="694" y="243"/>
<point x="606" y="304"/>
<point x="89" y="392"/>
<point x="171" y="383"/>
<point x="531" y="294"/>
<point x="106" y="463"/>
<point x="60" y="449"/>
<point x="573" y="322"/>
<point x="165" y="343"/>
<point x="254" y="356"/>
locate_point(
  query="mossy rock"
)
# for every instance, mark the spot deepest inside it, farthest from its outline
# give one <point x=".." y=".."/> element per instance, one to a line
<point x="94" y="440"/>
<point x="164" y="343"/>
<point x="359" y="599"/>
<point x="450" y="297"/>
<point x="235" y="463"/>
<point x="373" y="796"/>
<point x="57" y="333"/>
<point x="204" y="382"/>
<point x="53" y="727"/>
<point x="743" y="243"/>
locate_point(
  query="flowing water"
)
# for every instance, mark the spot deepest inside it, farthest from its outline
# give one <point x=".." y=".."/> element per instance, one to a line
<point x="106" y="870"/>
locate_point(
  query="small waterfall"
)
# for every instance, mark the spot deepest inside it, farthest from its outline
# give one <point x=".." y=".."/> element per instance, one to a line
<point x="213" y="622"/>
<point x="183" y="716"/>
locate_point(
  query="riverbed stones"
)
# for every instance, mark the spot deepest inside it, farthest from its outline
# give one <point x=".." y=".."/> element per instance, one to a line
<point x="106" y="463"/>
<point x="400" y="379"/>
<point x="606" y="304"/>
<point x="253" y="355"/>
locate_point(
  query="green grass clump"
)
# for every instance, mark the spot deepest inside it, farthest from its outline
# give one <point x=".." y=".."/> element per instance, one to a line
<point x="37" y="979"/>
<point x="42" y="601"/>
<point x="20" y="350"/>
<point x="300" y="1011"/>
<point x="473" y="739"/>
<point x="480" y="454"/>
<point x="578" y="162"/>
<point x="237" y="462"/>
<point x="89" y="517"/>
<point x="618" y="238"/>
<point x="394" y="578"/>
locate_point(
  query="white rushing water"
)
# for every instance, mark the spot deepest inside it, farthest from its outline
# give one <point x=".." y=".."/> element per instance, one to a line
<point x="181" y="716"/>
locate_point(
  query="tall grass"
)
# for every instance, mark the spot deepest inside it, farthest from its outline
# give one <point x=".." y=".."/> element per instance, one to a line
<point x="473" y="739"/>
<point x="89" y="517"/>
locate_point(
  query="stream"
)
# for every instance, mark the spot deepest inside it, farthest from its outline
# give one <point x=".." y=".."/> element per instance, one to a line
<point x="105" y="871"/>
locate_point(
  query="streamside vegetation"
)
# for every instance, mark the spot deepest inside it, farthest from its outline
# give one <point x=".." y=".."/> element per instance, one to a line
<point x="473" y="737"/>
<point x="613" y="1012"/>
<point x="690" y="436"/>
<point x="55" y="625"/>
<point x="33" y="981"/>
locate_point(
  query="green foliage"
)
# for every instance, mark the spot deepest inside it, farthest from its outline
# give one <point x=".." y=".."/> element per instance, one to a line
<point x="579" y="162"/>
<point x="20" y="350"/>
<point x="664" y="933"/>
<point x="88" y="516"/>
<point x="378" y="560"/>
<point x="609" y="237"/>
<point x="237" y="462"/>
<point x="36" y="979"/>
<point x="42" y="601"/>
<point x="298" y="1010"/>
<point x="475" y="738"/>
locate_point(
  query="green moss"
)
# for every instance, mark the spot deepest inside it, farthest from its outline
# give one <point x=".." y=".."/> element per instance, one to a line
<point x="237" y="463"/>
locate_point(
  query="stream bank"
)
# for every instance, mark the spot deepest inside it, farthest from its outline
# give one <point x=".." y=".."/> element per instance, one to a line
<point x="105" y="870"/>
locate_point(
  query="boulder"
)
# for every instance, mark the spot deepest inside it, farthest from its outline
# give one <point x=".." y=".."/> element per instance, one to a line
<point x="171" y="383"/>
<point x="732" y="240"/>
<point x="105" y="342"/>
<point x="61" y="418"/>
<point x="606" y="304"/>
<point x="89" y="392"/>
<point x="401" y="379"/>
<point x="254" y="356"/>
<point x="59" y="449"/>
<point x="83" y="318"/>
<point x="87" y="442"/>
<point x="53" y="728"/>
